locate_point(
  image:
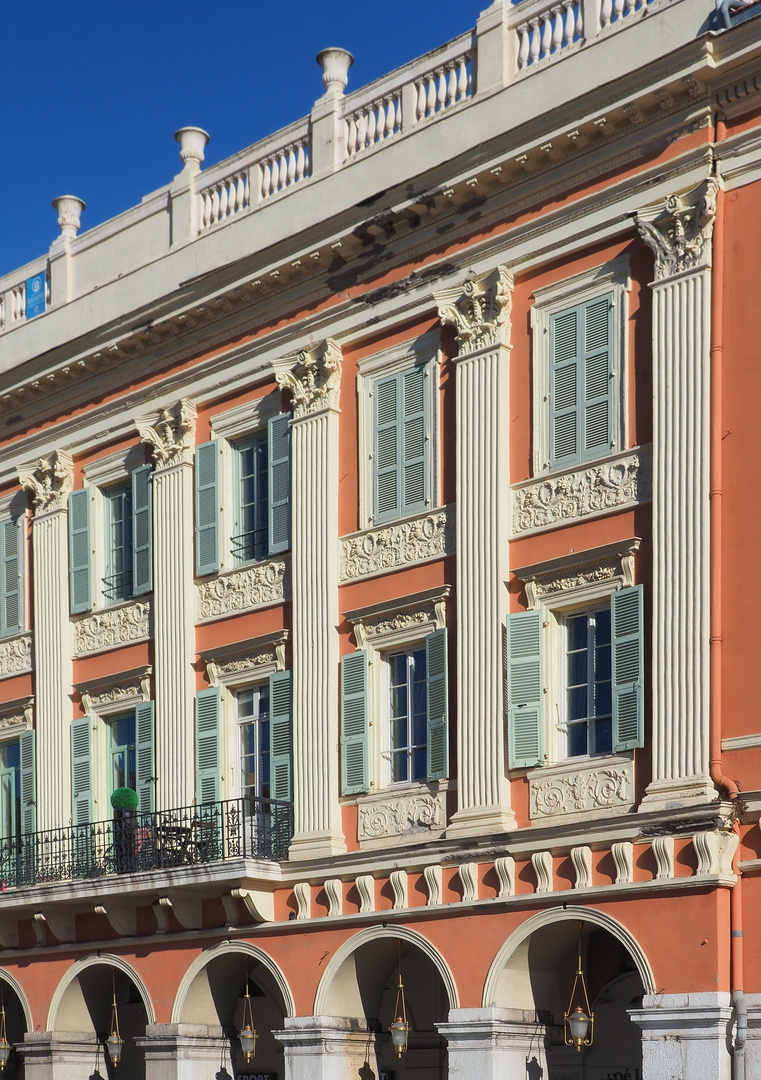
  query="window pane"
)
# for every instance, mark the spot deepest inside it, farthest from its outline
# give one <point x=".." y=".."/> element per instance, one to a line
<point x="602" y="662"/>
<point x="602" y="627"/>
<point x="117" y="582"/>
<point x="419" y="764"/>
<point x="577" y="632"/>
<point x="577" y="740"/>
<point x="577" y="703"/>
<point x="603" y="737"/>
<point x="603" y="699"/>
<point x="399" y="701"/>
<point x="577" y="668"/>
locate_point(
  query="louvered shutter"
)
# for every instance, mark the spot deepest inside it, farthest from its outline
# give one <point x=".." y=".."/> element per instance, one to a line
<point x="28" y="783"/>
<point x="354" y="729"/>
<point x="81" y="771"/>
<point x="437" y="704"/>
<point x="628" y="668"/>
<point x="279" y="463"/>
<point x="415" y="441"/>
<point x="524" y="689"/>
<point x="208" y="764"/>
<point x="564" y="351"/>
<point x="387" y="497"/>
<point x="142" y="531"/>
<point x="280" y="736"/>
<point x="598" y="385"/>
<point x="207" y="508"/>
<point x="11" y="595"/>
<point x="80" y="586"/>
<point x="144" y="756"/>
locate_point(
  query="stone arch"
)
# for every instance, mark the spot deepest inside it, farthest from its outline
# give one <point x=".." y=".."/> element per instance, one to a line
<point x="15" y="986"/>
<point x="228" y="948"/>
<point x="106" y="960"/>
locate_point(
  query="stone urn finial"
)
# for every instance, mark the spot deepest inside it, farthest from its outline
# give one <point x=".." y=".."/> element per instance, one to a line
<point x="69" y="208"/>
<point x="335" y="64"/>
<point x="192" y="142"/>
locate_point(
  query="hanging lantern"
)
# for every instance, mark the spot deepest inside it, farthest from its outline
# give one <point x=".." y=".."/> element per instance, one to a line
<point x="5" y="1046"/>
<point x="247" y="1034"/>
<point x="114" y="1042"/>
<point x="579" y="1021"/>
<point x="400" y="1028"/>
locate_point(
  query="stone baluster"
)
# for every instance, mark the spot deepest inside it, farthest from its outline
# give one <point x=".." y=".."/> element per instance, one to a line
<point x="50" y="480"/>
<point x="618" y="8"/>
<point x="547" y="30"/>
<point x="569" y="27"/>
<point x="606" y="12"/>
<point x="479" y="310"/>
<point x="420" y="100"/>
<point x="557" y="27"/>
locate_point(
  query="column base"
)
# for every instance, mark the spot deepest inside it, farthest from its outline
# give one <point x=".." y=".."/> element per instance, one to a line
<point x="183" y="1051"/>
<point x="60" y="1055"/>
<point x="476" y="821"/>
<point x="327" y="1048"/>
<point x="685" y="1035"/>
<point x="682" y="791"/>
<point x="315" y="845"/>
<point x="493" y="1044"/>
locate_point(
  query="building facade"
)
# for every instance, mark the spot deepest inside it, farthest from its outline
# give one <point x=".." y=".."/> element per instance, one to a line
<point x="375" y="505"/>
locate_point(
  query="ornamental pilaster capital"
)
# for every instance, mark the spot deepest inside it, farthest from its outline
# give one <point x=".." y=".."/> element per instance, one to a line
<point x="679" y="230"/>
<point x="171" y="435"/>
<point x="313" y="377"/>
<point x="479" y="309"/>
<point x="50" y="480"/>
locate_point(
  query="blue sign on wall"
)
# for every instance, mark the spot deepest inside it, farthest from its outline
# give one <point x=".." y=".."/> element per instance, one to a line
<point x="35" y="295"/>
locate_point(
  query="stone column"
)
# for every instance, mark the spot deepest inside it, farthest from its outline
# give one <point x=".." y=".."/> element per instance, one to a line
<point x="60" y="1055"/>
<point x="184" y="1051"/>
<point x="313" y="377"/>
<point x="327" y="1048"/>
<point x="486" y="1044"/>
<point x="480" y="312"/>
<point x="172" y="438"/>
<point x="50" y="482"/>
<point x="685" y="1035"/>
<point x="679" y="233"/>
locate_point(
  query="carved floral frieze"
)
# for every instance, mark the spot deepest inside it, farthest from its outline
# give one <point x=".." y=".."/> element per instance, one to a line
<point x="611" y="485"/>
<point x="379" y="550"/>
<point x="582" y="788"/>
<point x="419" y="813"/>
<point x="479" y="310"/>
<point x="243" y="590"/>
<point x="172" y="435"/>
<point x="15" y="655"/>
<point x="111" y="627"/>
<point x="679" y="232"/>
<point x="313" y="377"/>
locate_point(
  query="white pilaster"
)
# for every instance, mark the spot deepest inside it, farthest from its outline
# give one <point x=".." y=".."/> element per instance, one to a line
<point x="313" y="378"/>
<point x="480" y="313"/>
<point x="171" y="438"/>
<point x="685" y="1035"/>
<point x="183" y="1052"/>
<point x="327" y="1048"/>
<point x="50" y="482"/>
<point x="490" y="1044"/>
<point x="680" y="235"/>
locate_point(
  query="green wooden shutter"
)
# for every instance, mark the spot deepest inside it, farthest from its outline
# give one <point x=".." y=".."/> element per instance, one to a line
<point x="12" y="592"/>
<point x="413" y="480"/>
<point x="598" y="385"/>
<point x="207" y="508"/>
<point x="208" y="763"/>
<point x="81" y="771"/>
<point x="565" y="378"/>
<point x="279" y="464"/>
<point x="524" y="689"/>
<point x="281" y="736"/>
<point x="80" y="576"/>
<point x="28" y="783"/>
<point x="354" y="726"/>
<point x="144" y="757"/>
<point x="437" y="704"/>
<point x="628" y="668"/>
<point x="387" y="497"/>
<point x="142" y="531"/>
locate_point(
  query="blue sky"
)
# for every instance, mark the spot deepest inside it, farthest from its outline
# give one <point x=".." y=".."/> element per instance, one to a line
<point x="93" y="91"/>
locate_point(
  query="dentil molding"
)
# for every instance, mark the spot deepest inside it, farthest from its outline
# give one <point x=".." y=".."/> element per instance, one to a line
<point x="171" y="436"/>
<point x="15" y="655"/>
<point x="243" y="590"/>
<point x="423" y="812"/>
<point x="50" y="480"/>
<point x="376" y="551"/>
<point x="313" y="376"/>
<point x="115" y="626"/>
<point x="581" y="788"/>
<point x="479" y="310"/>
<point x="597" y="489"/>
<point x="679" y="231"/>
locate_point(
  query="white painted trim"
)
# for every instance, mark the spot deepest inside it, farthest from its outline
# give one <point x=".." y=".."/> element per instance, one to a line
<point x="227" y="948"/>
<point x="15" y="985"/>
<point x="379" y="933"/>
<point x="741" y="742"/>
<point x="107" y="960"/>
<point x="113" y="468"/>
<point x="246" y="418"/>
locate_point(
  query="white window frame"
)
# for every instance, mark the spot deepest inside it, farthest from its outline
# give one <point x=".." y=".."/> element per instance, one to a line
<point x="387" y="781"/>
<point x="101" y="713"/>
<point x="561" y="628"/>
<point x="239" y="722"/>
<point x="100" y="475"/>
<point x="240" y="422"/>
<point x="549" y="300"/>
<point x="421" y="352"/>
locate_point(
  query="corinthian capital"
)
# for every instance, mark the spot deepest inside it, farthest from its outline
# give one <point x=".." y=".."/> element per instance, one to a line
<point x="171" y="435"/>
<point x="479" y="310"/>
<point x="679" y="231"/>
<point x="313" y="377"/>
<point x="50" y="480"/>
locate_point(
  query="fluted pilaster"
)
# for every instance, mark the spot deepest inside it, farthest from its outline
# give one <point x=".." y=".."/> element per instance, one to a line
<point x="480" y="313"/>
<point x="313" y="378"/>
<point x="680" y="235"/>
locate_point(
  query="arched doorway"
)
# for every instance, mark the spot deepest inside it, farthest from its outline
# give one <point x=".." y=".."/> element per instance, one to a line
<point x="212" y="994"/>
<point x="17" y="1022"/>
<point x="534" y="972"/>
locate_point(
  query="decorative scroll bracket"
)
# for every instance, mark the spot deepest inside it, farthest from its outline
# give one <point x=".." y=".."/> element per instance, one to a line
<point x="313" y="377"/>
<point x="679" y="232"/>
<point x="479" y="309"/>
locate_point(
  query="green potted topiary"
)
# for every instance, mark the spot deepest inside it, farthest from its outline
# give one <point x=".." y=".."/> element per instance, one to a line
<point x="125" y="802"/>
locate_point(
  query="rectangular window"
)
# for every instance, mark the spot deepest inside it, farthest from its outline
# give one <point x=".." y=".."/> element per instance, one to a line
<point x="252" y="707"/>
<point x="10" y="789"/>
<point x="408" y="715"/>
<point x="588" y="690"/>
<point x="123" y="752"/>
<point x="400" y="451"/>
<point x="251" y="539"/>
<point x="117" y="583"/>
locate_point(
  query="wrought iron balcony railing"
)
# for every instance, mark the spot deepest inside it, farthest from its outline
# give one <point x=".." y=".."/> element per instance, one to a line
<point x="135" y="842"/>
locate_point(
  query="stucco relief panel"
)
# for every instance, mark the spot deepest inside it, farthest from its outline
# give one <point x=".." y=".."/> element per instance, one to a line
<point x="402" y="815"/>
<point x="112" y="627"/>
<point x="581" y="788"/>
<point x="15" y="655"/>
<point x="376" y="551"/>
<point x="243" y="590"/>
